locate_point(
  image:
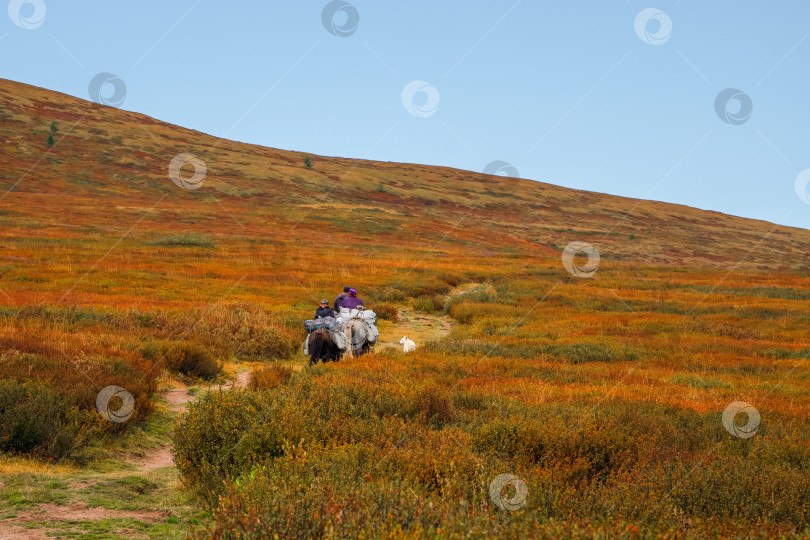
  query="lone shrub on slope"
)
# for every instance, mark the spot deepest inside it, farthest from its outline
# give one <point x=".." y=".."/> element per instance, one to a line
<point x="36" y="420"/>
<point x="194" y="360"/>
<point x="223" y="435"/>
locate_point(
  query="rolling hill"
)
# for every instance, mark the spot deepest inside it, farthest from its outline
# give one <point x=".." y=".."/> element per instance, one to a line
<point x="109" y="166"/>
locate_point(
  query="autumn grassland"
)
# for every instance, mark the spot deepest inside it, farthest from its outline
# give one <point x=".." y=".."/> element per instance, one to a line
<point x="603" y="395"/>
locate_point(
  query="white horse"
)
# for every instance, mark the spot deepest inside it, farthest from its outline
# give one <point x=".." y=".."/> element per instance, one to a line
<point x="407" y="344"/>
<point x="358" y="337"/>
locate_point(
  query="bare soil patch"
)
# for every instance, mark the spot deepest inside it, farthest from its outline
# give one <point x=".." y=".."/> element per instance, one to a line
<point x="15" y="529"/>
<point x="157" y="459"/>
<point x="79" y="512"/>
<point x="177" y="398"/>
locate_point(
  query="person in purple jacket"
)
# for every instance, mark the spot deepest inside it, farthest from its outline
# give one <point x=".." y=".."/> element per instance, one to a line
<point x="351" y="301"/>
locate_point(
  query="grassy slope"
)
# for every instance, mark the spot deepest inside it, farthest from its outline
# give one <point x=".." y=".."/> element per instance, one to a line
<point x="701" y="310"/>
<point x="109" y="166"/>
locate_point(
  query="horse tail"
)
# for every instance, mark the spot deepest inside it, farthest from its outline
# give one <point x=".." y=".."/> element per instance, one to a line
<point x="329" y="347"/>
<point x="315" y="347"/>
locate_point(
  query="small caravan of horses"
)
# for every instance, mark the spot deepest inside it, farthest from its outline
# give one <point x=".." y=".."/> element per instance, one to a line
<point x="407" y="345"/>
<point x="351" y="334"/>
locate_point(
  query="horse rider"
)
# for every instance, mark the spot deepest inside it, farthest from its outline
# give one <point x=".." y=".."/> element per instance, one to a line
<point x="324" y="310"/>
<point x="340" y="298"/>
<point x="352" y="301"/>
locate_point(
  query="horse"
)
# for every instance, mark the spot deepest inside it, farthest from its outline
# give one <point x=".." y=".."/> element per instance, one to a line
<point x="321" y="347"/>
<point x="357" y="333"/>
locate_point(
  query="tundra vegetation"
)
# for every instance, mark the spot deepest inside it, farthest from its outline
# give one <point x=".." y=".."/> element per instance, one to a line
<point x="604" y="396"/>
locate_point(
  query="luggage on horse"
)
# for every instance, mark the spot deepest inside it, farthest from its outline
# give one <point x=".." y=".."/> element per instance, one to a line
<point x="339" y="338"/>
<point x="373" y="333"/>
<point x="317" y="324"/>
<point x="311" y="325"/>
<point x="365" y="314"/>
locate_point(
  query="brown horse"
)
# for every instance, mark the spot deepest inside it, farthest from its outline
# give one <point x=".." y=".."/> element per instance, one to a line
<point x="321" y="347"/>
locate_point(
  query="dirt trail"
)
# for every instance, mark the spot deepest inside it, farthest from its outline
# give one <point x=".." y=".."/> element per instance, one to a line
<point x="80" y="512"/>
<point x="178" y="398"/>
<point x="14" y="528"/>
<point x="241" y="381"/>
<point x="55" y="520"/>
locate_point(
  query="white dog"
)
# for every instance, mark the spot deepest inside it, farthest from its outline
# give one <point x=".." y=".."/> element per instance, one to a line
<point x="407" y="344"/>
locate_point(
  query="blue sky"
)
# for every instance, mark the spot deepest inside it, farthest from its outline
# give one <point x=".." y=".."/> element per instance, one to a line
<point x="566" y="92"/>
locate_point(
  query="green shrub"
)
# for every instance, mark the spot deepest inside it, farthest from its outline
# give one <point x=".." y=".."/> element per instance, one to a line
<point x="420" y="283"/>
<point x="222" y="436"/>
<point x="578" y="353"/>
<point x="479" y="293"/>
<point x="389" y="294"/>
<point x="47" y="372"/>
<point x="344" y="498"/>
<point x="439" y="301"/>
<point x="183" y="240"/>
<point x="35" y="420"/>
<point x="192" y="359"/>
<point x="463" y="313"/>
<point x="783" y="354"/>
<point x="428" y="304"/>
<point x="386" y="312"/>
<point x="423" y="304"/>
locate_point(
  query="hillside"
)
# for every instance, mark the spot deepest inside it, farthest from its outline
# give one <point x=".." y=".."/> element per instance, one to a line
<point x="109" y="166"/>
<point x="667" y="397"/>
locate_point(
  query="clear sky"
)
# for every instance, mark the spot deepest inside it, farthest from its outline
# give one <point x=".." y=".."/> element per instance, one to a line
<point x="597" y="95"/>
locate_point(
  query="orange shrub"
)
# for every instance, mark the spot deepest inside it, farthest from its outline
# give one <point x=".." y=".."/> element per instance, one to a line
<point x="269" y="376"/>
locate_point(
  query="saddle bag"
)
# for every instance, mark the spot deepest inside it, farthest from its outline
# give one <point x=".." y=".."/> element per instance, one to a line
<point x="329" y="322"/>
<point x="339" y="338"/>
<point x="311" y="325"/>
<point x="372" y="333"/>
<point x="317" y="324"/>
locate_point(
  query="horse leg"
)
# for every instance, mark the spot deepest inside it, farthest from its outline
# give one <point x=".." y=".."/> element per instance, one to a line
<point x="332" y="350"/>
<point x="348" y="331"/>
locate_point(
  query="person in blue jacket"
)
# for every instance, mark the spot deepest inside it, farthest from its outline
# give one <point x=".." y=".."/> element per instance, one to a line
<point x="340" y="298"/>
<point x="324" y="310"/>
